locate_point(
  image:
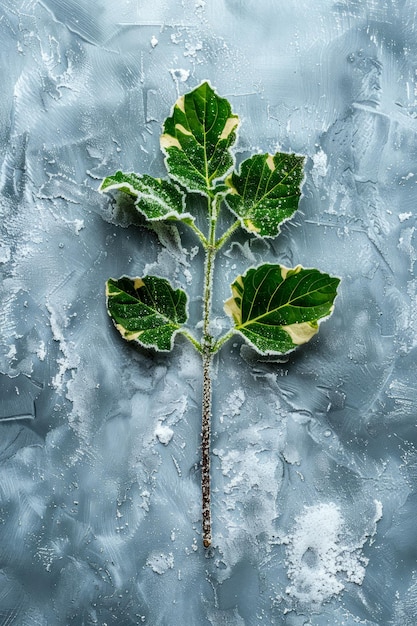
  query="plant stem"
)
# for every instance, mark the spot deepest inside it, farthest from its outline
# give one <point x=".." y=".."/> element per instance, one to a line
<point x="192" y="340"/>
<point x="222" y="240"/>
<point x="199" y="234"/>
<point x="222" y="340"/>
<point x="207" y="351"/>
<point x="205" y="448"/>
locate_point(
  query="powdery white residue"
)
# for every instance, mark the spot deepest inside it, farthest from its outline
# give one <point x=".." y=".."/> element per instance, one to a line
<point x="406" y="245"/>
<point x="404" y="216"/>
<point x="188" y="276"/>
<point x="70" y="359"/>
<point x="79" y="225"/>
<point x="320" y="166"/>
<point x="176" y="37"/>
<point x="192" y="49"/>
<point x="41" y="351"/>
<point x="253" y="470"/>
<point x="319" y="560"/>
<point x="5" y="254"/>
<point x="163" y="433"/>
<point x="179" y="75"/>
<point x="234" y="403"/>
<point x="160" y="563"/>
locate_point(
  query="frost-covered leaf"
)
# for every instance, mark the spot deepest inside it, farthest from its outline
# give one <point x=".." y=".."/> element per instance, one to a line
<point x="156" y="199"/>
<point x="265" y="192"/>
<point x="277" y="309"/>
<point x="146" y="310"/>
<point x="197" y="137"/>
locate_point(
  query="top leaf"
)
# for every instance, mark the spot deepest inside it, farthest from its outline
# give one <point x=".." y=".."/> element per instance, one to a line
<point x="265" y="192"/>
<point x="197" y="138"/>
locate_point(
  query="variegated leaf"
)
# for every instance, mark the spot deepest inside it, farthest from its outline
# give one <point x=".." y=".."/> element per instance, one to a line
<point x="265" y="192"/>
<point x="197" y="138"/>
<point x="277" y="309"/>
<point x="146" y="310"/>
<point x="156" y="199"/>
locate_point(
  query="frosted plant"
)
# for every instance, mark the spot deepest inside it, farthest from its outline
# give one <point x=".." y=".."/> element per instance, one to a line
<point x="274" y="308"/>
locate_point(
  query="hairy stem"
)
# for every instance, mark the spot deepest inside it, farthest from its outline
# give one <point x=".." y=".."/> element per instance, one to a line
<point x="207" y="350"/>
<point x="191" y="339"/>
<point x="222" y="340"/>
<point x="222" y="240"/>
<point x="198" y="232"/>
<point x="205" y="449"/>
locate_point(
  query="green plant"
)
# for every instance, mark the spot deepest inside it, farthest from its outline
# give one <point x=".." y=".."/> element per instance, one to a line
<point x="273" y="307"/>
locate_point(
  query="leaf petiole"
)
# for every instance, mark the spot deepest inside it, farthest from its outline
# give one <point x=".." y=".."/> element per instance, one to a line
<point x="222" y="340"/>
<point x="222" y="240"/>
<point x="199" y="233"/>
<point x="197" y="345"/>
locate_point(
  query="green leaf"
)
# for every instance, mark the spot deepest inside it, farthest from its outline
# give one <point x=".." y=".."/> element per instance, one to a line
<point x="156" y="199"/>
<point x="266" y="191"/>
<point x="197" y="137"/>
<point x="146" y="310"/>
<point x="277" y="309"/>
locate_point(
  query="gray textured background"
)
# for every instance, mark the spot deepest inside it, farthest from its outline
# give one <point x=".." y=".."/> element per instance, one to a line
<point x="314" y="459"/>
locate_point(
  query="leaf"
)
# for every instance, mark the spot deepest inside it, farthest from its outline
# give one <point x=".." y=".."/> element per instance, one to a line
<point x="146" y="310"/>
<point x="277" y="309"/>
<point x="265" y="192"/>
<point x="197" y="137"/>
<point x="156" y="199"/>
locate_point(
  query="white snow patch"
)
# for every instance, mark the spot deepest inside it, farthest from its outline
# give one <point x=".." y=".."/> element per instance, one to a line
<point x="320" y="164"/>
<point x="188" y="276"/>
<point x="70" y="360"/>
<point x="404" y="216"/>
<point x="192" y="49"/>
<point x="320" y="560"/>
<point x="163" y="433"/>
<point x="78" y="225"/>
<point x="176" y="38"/>
<point x="234" y="403"/>
<point x="160" y="563"/>
<point x="41" y="351"/>
<point x="5" y="254"/>
<point x="154" y="41"/>
<point x="12" y="352"/>
<point x="146" y="497"/>
<point x="406" y="245"/>
<point x="179" y="75"/>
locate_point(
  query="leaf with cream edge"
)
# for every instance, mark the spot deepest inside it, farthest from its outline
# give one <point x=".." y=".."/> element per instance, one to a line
<point x="156" y="199"/>
<point x="197" y="138"/>
<point x="148" y="310"/>
<point x="265" y="192"/>
<point x="277" y="309"/>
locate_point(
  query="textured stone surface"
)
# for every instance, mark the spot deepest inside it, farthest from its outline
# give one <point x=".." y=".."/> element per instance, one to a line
<point x="314" y="459"/>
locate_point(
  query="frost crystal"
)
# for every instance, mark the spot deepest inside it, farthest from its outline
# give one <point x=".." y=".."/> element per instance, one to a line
<point x="320" y="561"/>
